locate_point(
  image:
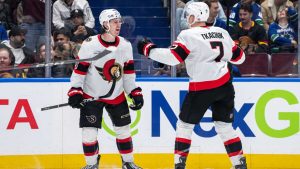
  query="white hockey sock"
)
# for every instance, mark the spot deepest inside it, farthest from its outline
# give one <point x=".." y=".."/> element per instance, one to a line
<point x="231" y="141"/>
<point x="183" y="140"/>
<point x="124" y="142"/>
<point x="90" y="144"/>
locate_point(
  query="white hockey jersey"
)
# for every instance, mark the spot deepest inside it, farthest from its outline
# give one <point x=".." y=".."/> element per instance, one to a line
<point x="205" y="51"/>
<point x="97" y="77"/>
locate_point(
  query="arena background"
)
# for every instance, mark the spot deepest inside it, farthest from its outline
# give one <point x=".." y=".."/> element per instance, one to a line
<point x="267" y="112"/>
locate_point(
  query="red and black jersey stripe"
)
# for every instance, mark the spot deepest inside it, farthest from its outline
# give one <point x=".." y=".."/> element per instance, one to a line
<point x="180" y="51"/>
<point x="125" y="145"/>
<point x="182" y="146"/>
<point x="82" y="68"/>
<point x="237" y="53"/>
<point x="90" y="149"/>
<point x="107" y="44"/>
<point x="129" y="67"/>
<point x="233" y="147"/>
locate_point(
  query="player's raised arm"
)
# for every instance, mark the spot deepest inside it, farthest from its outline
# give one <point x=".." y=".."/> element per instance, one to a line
<point x="173" y="55"/>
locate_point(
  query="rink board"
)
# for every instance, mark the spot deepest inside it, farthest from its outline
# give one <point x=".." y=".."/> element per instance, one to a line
<point x="149" y="161"/>
<point x="267" y="111"/>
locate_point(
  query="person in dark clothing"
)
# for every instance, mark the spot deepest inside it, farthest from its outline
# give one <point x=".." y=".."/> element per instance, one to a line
<point x="251" y="36"/>
<point x="16" y="43"/>
<point x="5" y="17"/>
<point x="33" y="20"/>
<point x="57" y="71"/>
<point x="80" y="32"/>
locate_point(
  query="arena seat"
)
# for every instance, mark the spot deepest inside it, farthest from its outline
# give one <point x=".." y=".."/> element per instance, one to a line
<point x="256" y="65"/>
<point x="284" y="65"/>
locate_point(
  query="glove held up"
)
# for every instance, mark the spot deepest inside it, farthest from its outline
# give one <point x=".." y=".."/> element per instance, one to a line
<point x="137" y="98"/>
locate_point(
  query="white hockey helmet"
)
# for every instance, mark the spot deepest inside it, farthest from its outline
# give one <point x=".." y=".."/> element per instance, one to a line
<point x="200" y="10"/>
<point x="108" y="14"/>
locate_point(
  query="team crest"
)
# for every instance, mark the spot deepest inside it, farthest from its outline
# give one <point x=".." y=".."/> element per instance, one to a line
<point x="91" y="119"/>
<point x="110" y="71"/>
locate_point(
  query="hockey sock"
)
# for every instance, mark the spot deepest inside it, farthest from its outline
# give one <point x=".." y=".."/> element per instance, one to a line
<point x="124" y="143"/>
<point x="90" y="145"/>
<point x="183" y="140"/>
<point x="232" y="142"/>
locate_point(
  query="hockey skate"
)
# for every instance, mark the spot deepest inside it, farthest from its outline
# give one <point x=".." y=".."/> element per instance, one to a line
<point x="243" y="164"/>
<point x="129" y="165"/>
<point x="95" y="166"/>
<point x="181" y="164"/>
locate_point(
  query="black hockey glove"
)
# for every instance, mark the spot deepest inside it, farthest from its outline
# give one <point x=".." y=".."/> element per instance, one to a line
<point x="75" y="97"/>
<point x="137" y="99"/>
<point x="144" y="46"/>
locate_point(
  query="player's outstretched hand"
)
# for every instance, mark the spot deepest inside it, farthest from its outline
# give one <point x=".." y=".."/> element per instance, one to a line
<point x="144" y="46"/>
<point x="137" y="99"/>
<point x="75" y="97"/>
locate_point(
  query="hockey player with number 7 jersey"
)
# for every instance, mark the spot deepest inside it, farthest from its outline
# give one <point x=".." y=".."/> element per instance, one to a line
<point x="206" y="52"/>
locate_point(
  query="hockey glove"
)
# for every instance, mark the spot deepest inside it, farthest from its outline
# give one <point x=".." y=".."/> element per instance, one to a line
<point x="144" y="46"/>
<point x="137" y="99"/>
<point x="75" y="97"/>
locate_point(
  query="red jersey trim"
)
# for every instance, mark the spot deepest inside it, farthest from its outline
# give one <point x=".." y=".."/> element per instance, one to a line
<point x="125" y="151"/>
<point x="90" y="144"/>
<point x="197" y="86"/>
<point x="187" y="51"/>
<point x="181" y="153"/>
<point x="79" y="72"/>
<point x="119" y="99"/>
<point x="176" y="56"/>
<point x="129" y="71"/>
<point x="106" y="44"/>
<point x="240" y="55"/>
<point x="125" y="140"/>
<point x="183" y="140"/>
<point x="234" y="140"/>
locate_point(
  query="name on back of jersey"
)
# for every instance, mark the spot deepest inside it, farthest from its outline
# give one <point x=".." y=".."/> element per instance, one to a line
<point x="212" y="35"/>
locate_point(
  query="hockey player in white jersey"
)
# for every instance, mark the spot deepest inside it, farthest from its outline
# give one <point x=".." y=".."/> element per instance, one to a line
<point x="106" y="79"/>
<point x="206" y="52"/>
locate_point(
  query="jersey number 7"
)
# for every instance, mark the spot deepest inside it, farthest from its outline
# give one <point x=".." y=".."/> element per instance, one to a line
<point x="219" y="44"/>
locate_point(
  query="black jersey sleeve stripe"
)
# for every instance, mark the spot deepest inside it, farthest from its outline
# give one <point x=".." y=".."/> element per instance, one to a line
<point x="237" y="53"/>
<point x="178" y="49"/>
<point x="129" y="67"/>
<point x="82" y="68"/>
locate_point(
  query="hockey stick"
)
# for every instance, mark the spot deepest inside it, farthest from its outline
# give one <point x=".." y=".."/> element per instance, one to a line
<point x="109" y="93"/>
<point x="66" y="104"/>
<point x="37" y="65"/>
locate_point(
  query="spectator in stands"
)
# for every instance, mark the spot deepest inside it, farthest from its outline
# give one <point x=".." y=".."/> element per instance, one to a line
<point x="183" y="23"/>
<point x="248" y="34"/>
<point x="234" y="17"/>
<point x="296" y="4"/>
<point x="16" y="43"/>
<point x="282" y="33"/>
<point x="3" y="33"/>
<point x="62" y="12"/>
<point x="32" y="19"/>
<point x="64" y="48"/>
<point x="57" y="71"/>
<point x="213" y="13"/>
<point x="270" y="8"/>
<point x="79" y="32"/>
<point x="180" y="4"/>
<point x="7" y="59"/>
<point x="5" y="15"/>
<point x="13" y="5"/>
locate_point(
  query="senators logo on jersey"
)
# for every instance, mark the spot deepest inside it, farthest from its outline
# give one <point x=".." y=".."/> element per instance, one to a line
<point x="110" y="71"/>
